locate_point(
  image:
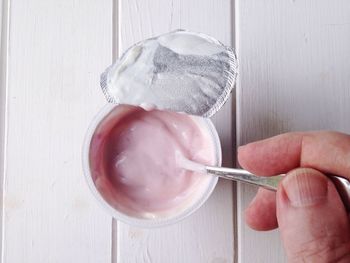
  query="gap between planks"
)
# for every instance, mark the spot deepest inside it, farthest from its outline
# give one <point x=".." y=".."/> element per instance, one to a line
<point x="115" y="54"/>
<point x="234" y="133"/>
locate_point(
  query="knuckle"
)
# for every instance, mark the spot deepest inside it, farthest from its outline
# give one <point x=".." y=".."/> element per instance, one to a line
<point x="323" y="250"/>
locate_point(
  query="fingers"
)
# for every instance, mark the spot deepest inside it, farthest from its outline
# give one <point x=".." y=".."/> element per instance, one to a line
<point x="261" y="213"/>
<point x="312" y="219"/>
<point x="325" y="151"/>
<point x="272" y="156"/>
<point x="328" y="152"/>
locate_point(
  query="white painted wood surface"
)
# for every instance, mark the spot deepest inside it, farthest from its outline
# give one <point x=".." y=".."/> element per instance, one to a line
<point x="3" y="60"/>
<point x="207" y="235"/>
<point x="57" y="50"/>
<point x="294" y="75"/>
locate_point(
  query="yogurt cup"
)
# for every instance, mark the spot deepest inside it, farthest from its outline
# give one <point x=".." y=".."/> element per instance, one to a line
<point x="195" y="201"/>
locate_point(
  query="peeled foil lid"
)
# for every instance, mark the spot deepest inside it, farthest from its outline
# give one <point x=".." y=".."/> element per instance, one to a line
<point x="179" y="71"/>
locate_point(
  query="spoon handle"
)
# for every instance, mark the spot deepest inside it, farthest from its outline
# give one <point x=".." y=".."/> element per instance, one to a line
<point x="271" y="182"/>
<point x="244" y="176"/>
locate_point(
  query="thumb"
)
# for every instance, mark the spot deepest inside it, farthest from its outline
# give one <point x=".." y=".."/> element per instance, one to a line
<point x="312" y="219"/>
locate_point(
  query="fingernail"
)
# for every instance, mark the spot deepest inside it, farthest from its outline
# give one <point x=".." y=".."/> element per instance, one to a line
<point x="305" y="187"/>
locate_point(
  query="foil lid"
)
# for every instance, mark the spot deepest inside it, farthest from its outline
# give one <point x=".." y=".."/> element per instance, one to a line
<point x="179" y="71"/>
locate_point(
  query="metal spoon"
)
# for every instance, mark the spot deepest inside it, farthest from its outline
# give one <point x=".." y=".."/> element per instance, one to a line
<point x="342" y="184"/>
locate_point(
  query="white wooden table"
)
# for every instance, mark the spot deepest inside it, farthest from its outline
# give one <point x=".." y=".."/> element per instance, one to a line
<point x="294" y="63"/>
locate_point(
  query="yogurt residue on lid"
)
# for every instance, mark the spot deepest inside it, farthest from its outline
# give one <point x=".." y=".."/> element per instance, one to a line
<point x="179" y="71"/>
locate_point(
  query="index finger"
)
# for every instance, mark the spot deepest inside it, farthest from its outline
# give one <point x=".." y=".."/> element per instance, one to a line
<point x="326" y="151"/>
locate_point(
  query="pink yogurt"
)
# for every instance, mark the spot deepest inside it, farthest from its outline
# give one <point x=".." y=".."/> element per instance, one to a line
<point x="133" y="164"/>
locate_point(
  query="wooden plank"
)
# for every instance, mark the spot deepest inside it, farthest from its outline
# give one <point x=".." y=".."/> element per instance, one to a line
<point x="4" y="10"/>
<point x="57" y="51"/>
<point x="206" y="236"/>
<point x="294" y="75"/>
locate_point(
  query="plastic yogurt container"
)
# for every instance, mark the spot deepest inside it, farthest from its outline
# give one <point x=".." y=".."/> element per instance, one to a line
<point x="197" y="194"/>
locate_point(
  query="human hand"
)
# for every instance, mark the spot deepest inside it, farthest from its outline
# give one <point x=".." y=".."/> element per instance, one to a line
<point x="313" y="222"/>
